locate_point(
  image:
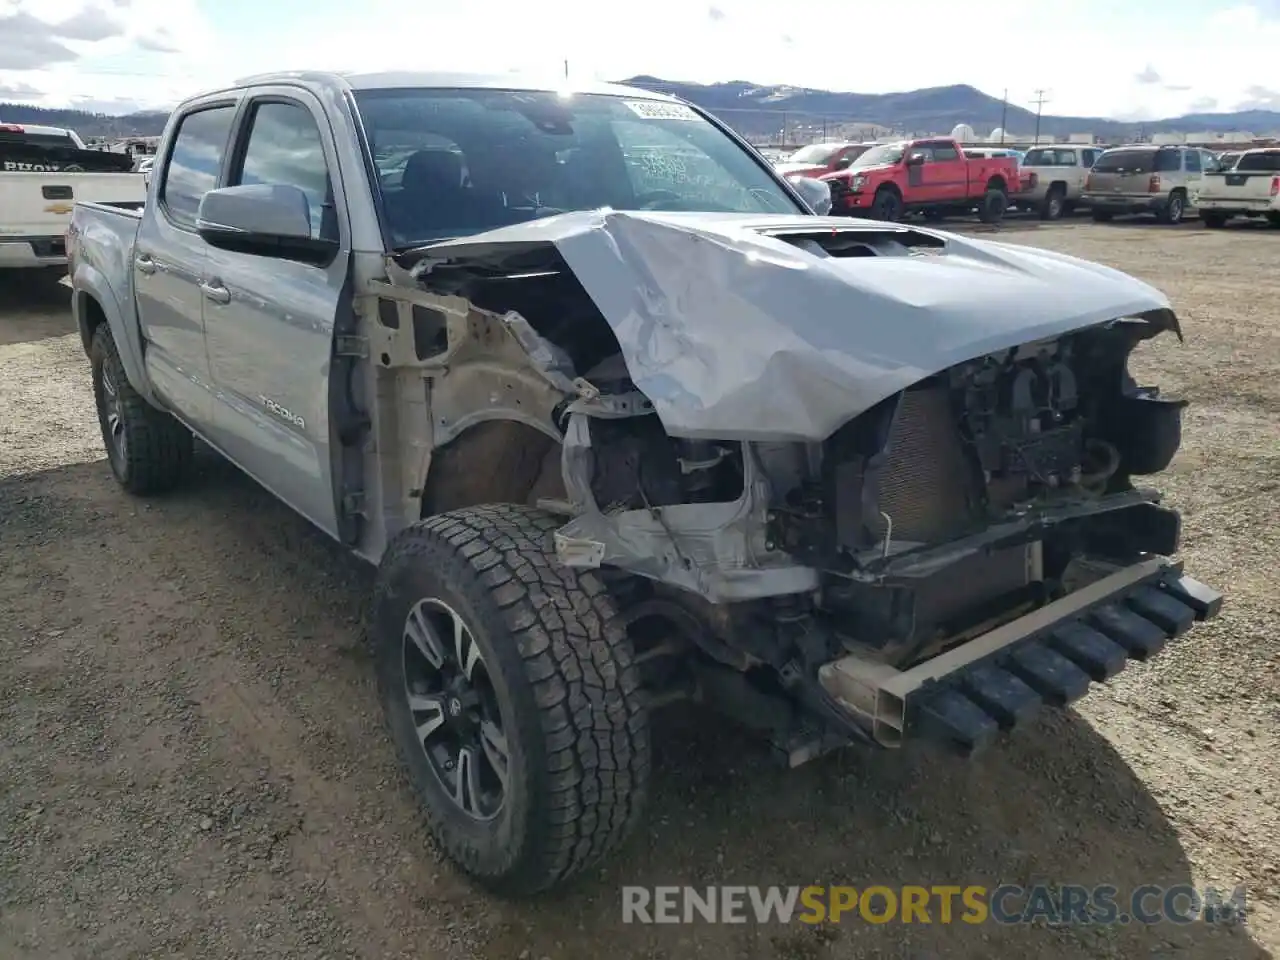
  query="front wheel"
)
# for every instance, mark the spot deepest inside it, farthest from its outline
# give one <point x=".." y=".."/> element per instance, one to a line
<point x="887" y="205"/>
<point x="149" y="451"/>
<point x="510" y="689"/>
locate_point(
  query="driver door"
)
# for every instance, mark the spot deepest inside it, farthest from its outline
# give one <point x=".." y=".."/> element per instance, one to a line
<point x="269" y="320"/>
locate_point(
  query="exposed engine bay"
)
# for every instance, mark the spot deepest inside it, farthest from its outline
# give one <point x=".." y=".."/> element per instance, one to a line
<point x="787" y="559"/>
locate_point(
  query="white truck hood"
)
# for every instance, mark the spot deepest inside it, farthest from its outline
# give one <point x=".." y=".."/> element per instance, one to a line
<point x="744" y="327"/>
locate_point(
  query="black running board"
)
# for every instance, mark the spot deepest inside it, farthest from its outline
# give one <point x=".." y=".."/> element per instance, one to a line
<point x="964" y="698"/>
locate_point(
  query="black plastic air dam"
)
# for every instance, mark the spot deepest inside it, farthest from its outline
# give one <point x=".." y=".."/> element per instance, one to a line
<point x="966" y="708"/>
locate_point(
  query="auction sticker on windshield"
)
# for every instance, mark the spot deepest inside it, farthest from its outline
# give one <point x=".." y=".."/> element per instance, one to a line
<point x="657" y="110"/>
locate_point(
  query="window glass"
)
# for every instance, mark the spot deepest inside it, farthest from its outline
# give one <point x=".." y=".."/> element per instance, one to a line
<point x="1126" y="161"/>
<point x="944" y="151"/>
<point x="1268" y="162"/>
<point x="1049" y="157"/>
<point x="885" y="154"/>
<point x="454" y="162"/>
<point x="195" y="161"/>
<point x="1193" y="161"/>
<point x="815" y="153"/>
<point x="285" y="148"/>
<point x="1168" y="160"/>
<point x="18" y="135"/>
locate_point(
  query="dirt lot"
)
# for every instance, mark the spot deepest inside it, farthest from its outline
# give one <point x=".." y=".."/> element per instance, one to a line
<point x="192" y="762"/>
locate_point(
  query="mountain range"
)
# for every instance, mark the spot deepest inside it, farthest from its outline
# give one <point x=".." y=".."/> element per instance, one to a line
<point x="762" y="112"/>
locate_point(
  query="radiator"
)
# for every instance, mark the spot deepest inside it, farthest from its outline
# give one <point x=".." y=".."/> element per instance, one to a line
<point x="927" y="486"/>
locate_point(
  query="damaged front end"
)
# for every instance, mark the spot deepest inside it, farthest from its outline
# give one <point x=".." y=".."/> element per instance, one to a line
<point x="866" y="500"/>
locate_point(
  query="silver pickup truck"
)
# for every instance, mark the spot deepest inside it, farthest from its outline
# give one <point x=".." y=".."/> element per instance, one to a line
<point x="624" y="420"/>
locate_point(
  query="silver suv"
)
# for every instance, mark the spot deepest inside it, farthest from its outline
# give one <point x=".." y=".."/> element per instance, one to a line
<point x="1147" y="179"/>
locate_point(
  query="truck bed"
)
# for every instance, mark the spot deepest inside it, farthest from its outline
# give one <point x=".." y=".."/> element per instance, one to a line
<point x="1250" y="188"/>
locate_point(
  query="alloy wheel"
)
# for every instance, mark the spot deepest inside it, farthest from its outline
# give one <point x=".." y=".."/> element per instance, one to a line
<point x="113" y="415"/>
<point x="455" y="714"/>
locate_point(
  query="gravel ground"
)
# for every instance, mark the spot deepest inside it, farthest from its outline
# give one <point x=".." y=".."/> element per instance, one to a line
<point x="192" y="762"/>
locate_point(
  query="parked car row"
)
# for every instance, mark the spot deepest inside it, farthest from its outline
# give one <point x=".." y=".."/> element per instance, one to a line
<point x="936" y="176"/>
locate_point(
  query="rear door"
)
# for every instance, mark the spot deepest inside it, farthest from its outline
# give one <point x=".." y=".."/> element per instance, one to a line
<point x="270" y="320"/>
<point x="1193" y="171"/>
<point x="169" y="260"/>
<point x="1124" y="171"/>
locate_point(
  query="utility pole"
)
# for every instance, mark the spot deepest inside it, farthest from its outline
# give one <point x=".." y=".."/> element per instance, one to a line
<point x="1004" y="115"/>
<point x="1040" y="100"/>
<point x="566" y="69"/>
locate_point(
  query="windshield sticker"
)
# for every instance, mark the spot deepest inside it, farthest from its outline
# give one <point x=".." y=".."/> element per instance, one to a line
<point x="658" y="110"/>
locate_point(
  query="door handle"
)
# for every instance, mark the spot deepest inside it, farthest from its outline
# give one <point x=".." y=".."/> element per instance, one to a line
<point x="144" y="263"/>
<point x="216" y="292"/>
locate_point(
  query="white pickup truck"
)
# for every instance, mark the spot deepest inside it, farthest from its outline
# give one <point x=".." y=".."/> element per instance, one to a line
<point x="1251" y="188"/>
<point x="42" y="172"/>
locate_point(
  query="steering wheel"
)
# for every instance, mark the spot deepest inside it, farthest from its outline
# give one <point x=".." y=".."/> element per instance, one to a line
<point x="647" y="201"/>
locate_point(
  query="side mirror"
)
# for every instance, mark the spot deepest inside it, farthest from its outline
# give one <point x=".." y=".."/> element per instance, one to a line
<point x="266" y="219"/>
<point x="815" y="193"/>
<point x="915" y="160"/>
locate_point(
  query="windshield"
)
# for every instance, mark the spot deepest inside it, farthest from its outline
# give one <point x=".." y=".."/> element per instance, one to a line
<point x="1126" y="161"/>
<point x="879" y="156"/>
<point x="815" y="153"/>
<point x="456" y="162"/>
<point x="1258" y="162"/>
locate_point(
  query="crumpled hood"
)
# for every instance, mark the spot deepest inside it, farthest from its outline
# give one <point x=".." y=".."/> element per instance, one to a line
<point x="734" y="332"/>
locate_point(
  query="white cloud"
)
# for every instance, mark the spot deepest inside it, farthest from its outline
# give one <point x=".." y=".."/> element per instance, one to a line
<point x="167" y="49"/>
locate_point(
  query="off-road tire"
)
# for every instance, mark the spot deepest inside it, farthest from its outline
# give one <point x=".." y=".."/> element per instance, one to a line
<point x="158" y="449"/>
<point x="564" y="679"/>
<point x="887" y="204"/>
<point x="1213" y="220"/>
<point x="1054" y="204"/>
<point x="993" y="206"/>
<point x="1175" y="208"/>
<point x="1102" y="216"/>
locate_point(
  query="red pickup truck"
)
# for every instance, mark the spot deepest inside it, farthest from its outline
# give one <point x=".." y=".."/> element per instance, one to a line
<point x="930" y="176"/>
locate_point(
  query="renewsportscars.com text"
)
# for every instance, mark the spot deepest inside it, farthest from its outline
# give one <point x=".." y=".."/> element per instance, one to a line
<point x="945" y="904"/>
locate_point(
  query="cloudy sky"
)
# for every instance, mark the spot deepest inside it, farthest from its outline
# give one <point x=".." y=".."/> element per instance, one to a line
<point x="1141" y="59"/>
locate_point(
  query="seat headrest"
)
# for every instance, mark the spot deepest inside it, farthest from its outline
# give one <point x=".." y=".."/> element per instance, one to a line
<point x="433" y="169"/>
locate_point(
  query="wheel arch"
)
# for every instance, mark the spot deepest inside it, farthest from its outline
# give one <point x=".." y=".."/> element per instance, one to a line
<point x="495" y="459"/>
<point x="94" y="303"/>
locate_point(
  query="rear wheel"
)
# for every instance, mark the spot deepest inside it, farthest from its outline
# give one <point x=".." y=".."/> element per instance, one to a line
<point x="887" y="204"/>
<point x="1051" y="208"/>
<point x="149" y="451"/>
<point x="1213" y="220"/>
<point x="512" y="695"/>
<point x="993" y="206"/>
<point x="1174" y="208"/>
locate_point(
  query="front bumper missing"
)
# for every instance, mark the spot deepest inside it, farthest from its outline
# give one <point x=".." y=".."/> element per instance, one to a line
<point x="965" y="697"/>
